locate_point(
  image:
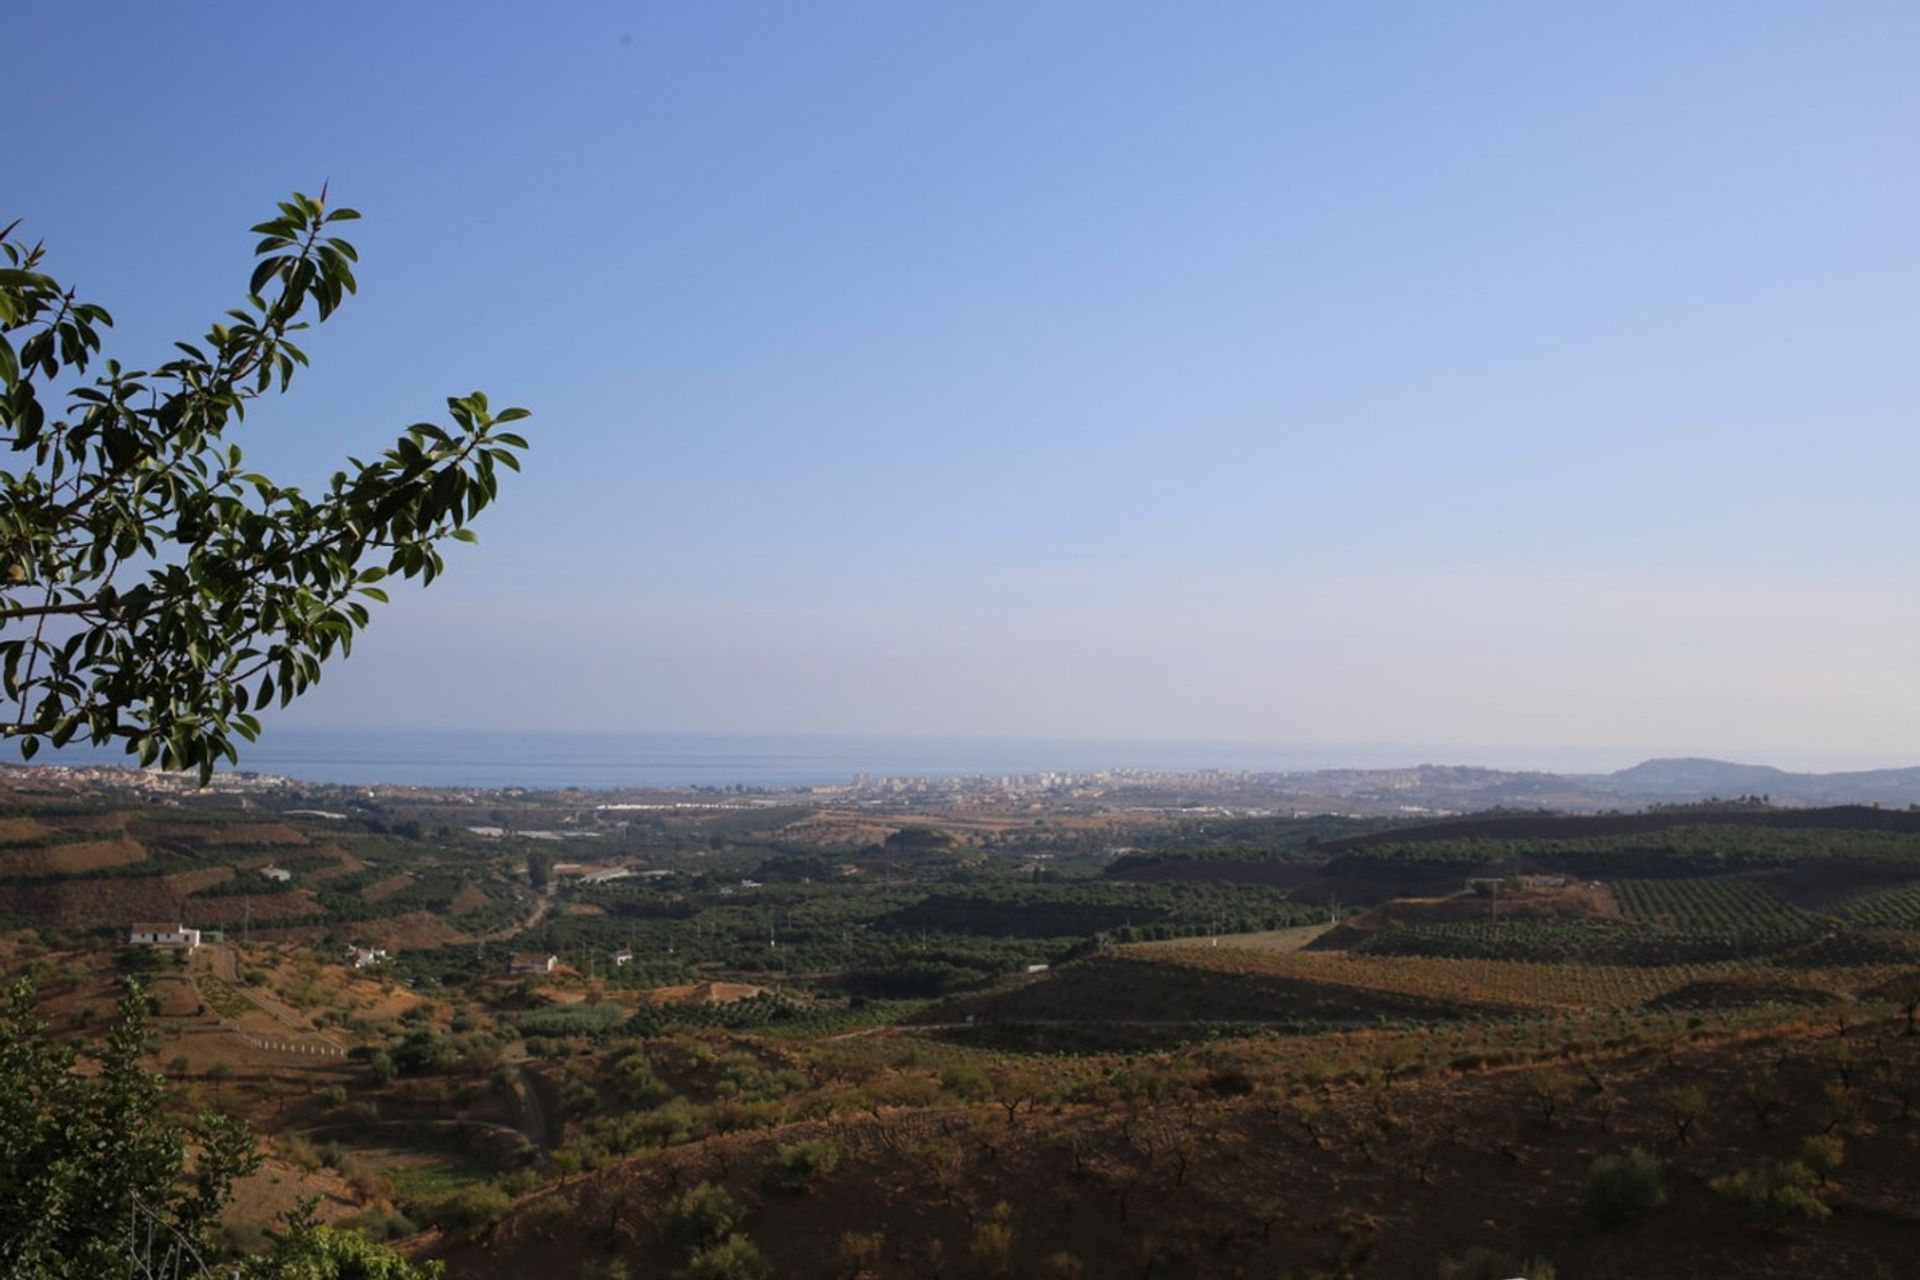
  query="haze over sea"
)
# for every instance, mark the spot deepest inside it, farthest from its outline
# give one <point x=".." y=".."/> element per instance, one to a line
<point x="552" y="759"/>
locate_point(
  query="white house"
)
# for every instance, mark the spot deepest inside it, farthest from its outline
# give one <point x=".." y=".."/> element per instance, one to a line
<point x="530" y="962"/>
<point x="366" y="957"/>
<point x="163" y="935"/>
<point x="277" y="873"/>
<point x="623" y="956"/>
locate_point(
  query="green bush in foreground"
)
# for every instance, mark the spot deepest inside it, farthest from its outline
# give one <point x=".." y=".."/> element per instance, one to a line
<point x="93" y="1176"/>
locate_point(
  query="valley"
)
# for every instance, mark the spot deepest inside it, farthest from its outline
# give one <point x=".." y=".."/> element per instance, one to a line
<point x="521" y="1030"/>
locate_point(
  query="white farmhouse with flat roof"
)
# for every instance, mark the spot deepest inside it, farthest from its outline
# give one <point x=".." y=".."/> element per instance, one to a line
<point x="163" y="935"/>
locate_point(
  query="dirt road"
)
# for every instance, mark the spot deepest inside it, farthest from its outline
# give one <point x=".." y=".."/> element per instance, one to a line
<point x="532" y="921"/>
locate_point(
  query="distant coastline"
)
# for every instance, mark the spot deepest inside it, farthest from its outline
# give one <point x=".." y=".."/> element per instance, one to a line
<point x="606" y="761"/>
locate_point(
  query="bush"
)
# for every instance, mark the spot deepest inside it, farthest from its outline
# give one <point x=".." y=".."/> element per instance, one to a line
<point x="799" y="1166"/>
<point x="376" y="1225"/>
<point x="704" y="1216"/>
<point x="423" y="1052"/>
<point x="1623" y="1186"/>
<point x="1482" y="1263"/>
<point x="298" y="1152"/>
<point x="469" y="1208"/>
<point x="1822" y="1153"/>
<point x="667" y="1125"/>
<point x="547" y="1213"/>
<point x="966" y="1082"/>
<point x="735" y="1258"/>
<point x="1774" y="1194"/>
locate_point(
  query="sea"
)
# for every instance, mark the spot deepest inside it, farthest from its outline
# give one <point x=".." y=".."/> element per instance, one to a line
<point x="610" y="761"/>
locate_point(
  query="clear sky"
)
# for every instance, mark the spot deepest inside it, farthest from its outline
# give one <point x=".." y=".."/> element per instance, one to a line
<point x="1452" y="372"/>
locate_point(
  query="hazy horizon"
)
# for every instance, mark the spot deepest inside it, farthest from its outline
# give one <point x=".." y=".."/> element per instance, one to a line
<point x="611" y="759"/>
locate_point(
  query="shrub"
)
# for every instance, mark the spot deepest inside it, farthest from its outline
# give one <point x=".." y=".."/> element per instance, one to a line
<point x="548" y="1212"/>
<point x="634" y="1078"/>
<point x="704" y="1216"/>
<point x="1785" y="1190"/>
<point x="1482" y="1263"/>
<point x="423" y="1052"/>
<point x="735" y="1258"/>
<point x="1622" y="1186"/>
<point x="1822" y="1153"/>
<point x="298" y="1152"/>
<point x="376" y="1225"/>
<point x="798" y="1166"/>
<point x="469" y="1208"/>
<point x="673" y="1122"/>
<point x="967" y="1082"/>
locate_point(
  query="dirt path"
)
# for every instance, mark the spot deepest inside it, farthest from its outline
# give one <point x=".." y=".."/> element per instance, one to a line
<point x="1293" y="939"/>
<point x="532" y="921"/>
<point x="225" y="965"/>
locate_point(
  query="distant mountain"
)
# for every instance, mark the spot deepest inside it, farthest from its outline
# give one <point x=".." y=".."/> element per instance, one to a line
<point x="1697" y="779"/>
<point x="1693" y="776"/>
<point x="1456" y="789"/>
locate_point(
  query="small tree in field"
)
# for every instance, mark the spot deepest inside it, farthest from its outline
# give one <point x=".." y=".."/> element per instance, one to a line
<point x="153" y="591"/>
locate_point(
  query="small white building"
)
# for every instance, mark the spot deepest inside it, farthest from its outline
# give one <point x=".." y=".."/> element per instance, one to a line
<point x="163" y="935"/>
<point x="281" y="874"/>
<point x="623" y="956"/>
<point x="366" y="957"/>
<point x="531" y="962"/>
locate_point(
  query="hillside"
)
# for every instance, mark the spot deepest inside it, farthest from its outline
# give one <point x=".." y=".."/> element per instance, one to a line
<point x="1249" y="1046"/>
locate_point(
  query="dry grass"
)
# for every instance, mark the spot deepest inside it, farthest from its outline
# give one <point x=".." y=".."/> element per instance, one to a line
<point x="381" y="889"/>
<point x="190" y="882"/>
<point x="470" y="899"/>
<point x="73" y="859"/>
<point x="20" y="830"/>
<point x="1267" y="940"/>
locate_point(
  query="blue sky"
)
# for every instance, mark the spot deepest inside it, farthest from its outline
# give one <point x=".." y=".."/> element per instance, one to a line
<point x="1470" y="373"/>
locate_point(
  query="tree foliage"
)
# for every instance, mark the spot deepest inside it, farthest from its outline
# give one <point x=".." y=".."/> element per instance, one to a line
<point x="83" y="1156"/>
<point x="94" y="1173"/>
<point x="153" y="590"/>
<point x="312" y="1250"/>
